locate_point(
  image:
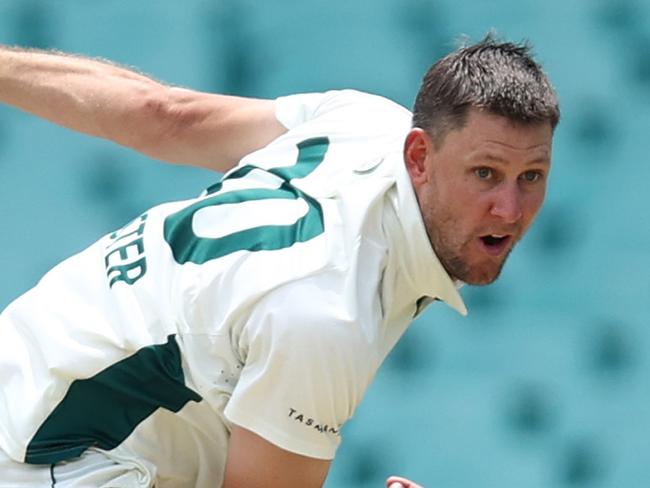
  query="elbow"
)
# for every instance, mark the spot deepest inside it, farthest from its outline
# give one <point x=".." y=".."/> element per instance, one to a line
<point x="156" y="118"/>
<point x="159" y="119"/>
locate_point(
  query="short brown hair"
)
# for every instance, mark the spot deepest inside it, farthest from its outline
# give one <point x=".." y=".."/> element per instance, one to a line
<point x="500" y="77"/>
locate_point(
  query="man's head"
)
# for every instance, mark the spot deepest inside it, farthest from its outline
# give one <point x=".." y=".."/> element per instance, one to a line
<point x="479" y="154"/>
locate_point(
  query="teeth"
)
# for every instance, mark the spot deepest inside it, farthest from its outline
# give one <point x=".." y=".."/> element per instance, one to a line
<point x="498" y="236"/>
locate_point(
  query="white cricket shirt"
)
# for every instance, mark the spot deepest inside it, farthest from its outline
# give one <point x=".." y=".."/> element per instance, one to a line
<point x="268" y="302"/>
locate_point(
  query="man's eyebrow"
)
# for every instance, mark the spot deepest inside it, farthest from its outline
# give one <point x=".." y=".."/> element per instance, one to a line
<point x="493" y="158"/>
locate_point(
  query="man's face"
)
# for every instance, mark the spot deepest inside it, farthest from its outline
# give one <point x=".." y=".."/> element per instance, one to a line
<point x="479" y="190"/>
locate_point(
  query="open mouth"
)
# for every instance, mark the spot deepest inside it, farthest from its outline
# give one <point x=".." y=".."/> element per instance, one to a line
<point x="494" y="244"/>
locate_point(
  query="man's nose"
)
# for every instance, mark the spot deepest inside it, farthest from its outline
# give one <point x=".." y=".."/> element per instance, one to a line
<point x="507" y="203"/>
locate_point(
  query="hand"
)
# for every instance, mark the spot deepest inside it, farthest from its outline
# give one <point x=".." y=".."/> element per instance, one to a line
<point x="399" y="482"/>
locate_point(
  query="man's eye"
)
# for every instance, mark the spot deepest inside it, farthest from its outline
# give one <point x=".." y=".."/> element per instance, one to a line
<point x="532" y="176"/>
<point x="483" y="173"/>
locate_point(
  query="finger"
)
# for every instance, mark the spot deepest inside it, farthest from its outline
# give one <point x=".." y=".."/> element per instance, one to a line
<point x="400" y="482"/>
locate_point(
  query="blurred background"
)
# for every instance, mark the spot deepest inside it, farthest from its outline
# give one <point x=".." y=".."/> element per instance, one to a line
<point x="547" y="382"/>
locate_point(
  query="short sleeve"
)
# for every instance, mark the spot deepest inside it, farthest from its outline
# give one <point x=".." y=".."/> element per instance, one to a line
<point x="294" y="110"/>
<point x="305" y="372"/>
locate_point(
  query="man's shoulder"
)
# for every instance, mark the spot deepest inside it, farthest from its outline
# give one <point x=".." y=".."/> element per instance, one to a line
<point x="349" y="97"/>
<point x="340" y="105"/>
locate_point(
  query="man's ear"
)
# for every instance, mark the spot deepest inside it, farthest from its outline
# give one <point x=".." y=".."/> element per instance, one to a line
<point x="417" y="147"/>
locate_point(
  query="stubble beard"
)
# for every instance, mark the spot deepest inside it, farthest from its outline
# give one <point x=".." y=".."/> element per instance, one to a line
<point x="451" y="255"/>
<point x="478" y="274"/>
<point x="452" y="251"/>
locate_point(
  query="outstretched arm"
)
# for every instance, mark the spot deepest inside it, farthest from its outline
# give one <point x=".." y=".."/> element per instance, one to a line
<point x="104" y="100"/>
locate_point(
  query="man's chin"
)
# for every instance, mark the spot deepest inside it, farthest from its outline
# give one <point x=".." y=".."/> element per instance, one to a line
<point x="474" y="272"/>
<point x="481" y="275"/>
<point x="482" y="280"/>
